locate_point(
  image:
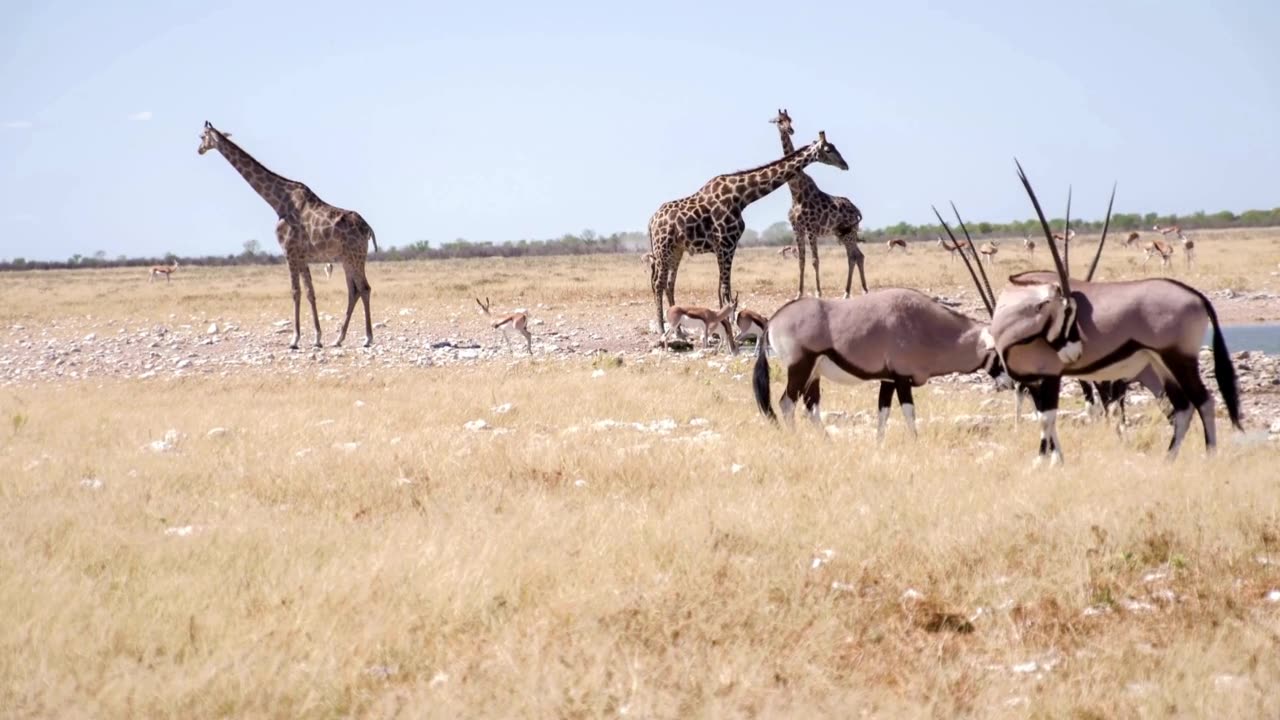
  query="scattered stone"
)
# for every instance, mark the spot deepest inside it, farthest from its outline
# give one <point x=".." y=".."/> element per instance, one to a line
<point x="213" y="329"/>
<point x="475" y="425"/>
<point x="216" y="432"/>
<point x="184" y="531"/>
<point x="503" y="409"/>
<point x="91" y="483"/>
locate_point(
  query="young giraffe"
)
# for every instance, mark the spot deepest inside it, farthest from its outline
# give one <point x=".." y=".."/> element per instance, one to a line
<point x="710" y="220"/>
<point x="309" y="230"/>
<point x="815" y="214"/>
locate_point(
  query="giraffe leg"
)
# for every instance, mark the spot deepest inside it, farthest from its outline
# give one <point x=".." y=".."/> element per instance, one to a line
<point x="658" y="279"/>
<point x="726" y="272"/>
<point x="351" y="304"/>
<point x="800" y="241"/>
<point x="676" y="256"/>
<point x="296" y="289"/>
<point x="856" y="258"/>
<point x="305" y="271"/>
<point x="365" y="291"/>
<point x="817" y="276"/>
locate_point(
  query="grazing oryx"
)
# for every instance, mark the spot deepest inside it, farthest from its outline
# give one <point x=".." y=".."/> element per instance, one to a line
<point x="518" y="321"/>
<point x="165" y="270"/>
<point x="710" y="322"/>
<point x="750" y="324"/>
<point x="896" y="243"/>
<point x="1045" y="327"/>
<point x="1157" y="247"/>
<point x="898" y="336"/>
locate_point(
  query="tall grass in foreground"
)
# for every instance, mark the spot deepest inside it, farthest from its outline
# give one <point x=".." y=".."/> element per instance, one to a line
<point x="345" y="546"/>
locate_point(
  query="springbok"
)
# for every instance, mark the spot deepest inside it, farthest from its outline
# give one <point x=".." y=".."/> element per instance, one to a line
<point x="1029" y="244"/>
<point x="750" y="324"/>
<point x="787" y="251"/>
<point x="165" y="270"/>
<point x="705" y="319"/>
<point x="1157" y="247"/>
<point x="951" y="249"/>
<point x="516" y="321"/>
<point x="1045" y="328"/>
<point x="896" y="243"/>
<point x="1166" y="231"/>
<point x="328" y="270"/>
<point x="1132" y="240"/>
<point x="1188" y="249"/>
<point x="989" y="249"/>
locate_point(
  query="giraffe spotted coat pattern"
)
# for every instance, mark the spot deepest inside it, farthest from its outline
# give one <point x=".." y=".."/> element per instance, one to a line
<point x="710" y="220"/>
<point x="308" y="230"/>
<point x="815" y="214"/>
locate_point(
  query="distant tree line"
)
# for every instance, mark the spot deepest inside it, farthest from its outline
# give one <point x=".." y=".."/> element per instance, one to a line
<point x="588" y="242"/>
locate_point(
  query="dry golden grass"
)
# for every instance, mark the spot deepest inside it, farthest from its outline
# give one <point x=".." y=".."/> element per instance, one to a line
<point x="551" y="566"/>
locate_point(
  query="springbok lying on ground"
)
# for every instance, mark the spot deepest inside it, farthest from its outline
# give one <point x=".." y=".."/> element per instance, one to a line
<point x="516" y="321"/>
<point x="1045" y="328"/>
<point x="709" y="321"/>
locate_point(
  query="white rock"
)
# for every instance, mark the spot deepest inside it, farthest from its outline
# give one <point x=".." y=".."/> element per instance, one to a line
<point x="403" y="481"/>
<point x="183" y="531"/>
<point x="90" y="337"/>
<point x="184" y="362"/>
<point x="475" y="425"/>
<point x="503" y="409"/>
<point x="1025" y="668"/>
<point x="347" y="446"/>
<point x="1274" y="428"/>
<point x="359" y="403"/>
<point x="699" y="422"/>
<point x="579" y="483"/>
<point x="91" y="483"/>
<point x="912" y="594"/>
<point x="216" y="432"/>
<point x="440" y="678"/>
<point x="213" y="329"/>
<point x="841" y="586"/>
<point x="302" y="453"/>
<point x="597" y="373"/>
<point x="1273" y="596"/>
<point x="735" y="468"/>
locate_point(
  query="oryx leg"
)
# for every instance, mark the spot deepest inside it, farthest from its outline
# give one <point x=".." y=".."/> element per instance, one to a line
<point x="812" y="399"/>
<point x="1186" y="374"/>
<point x="1046" y="397"/>
<point x="1180" y="416"/>
<point x="798" y="377"/>
<point x="884" y="404"/>
<point x="903" y="386"/>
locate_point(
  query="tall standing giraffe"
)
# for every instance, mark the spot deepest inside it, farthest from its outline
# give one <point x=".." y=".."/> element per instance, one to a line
<point x="815" y="214"/>
<point x="710" y="220"/>
<point x="309" y="230"/>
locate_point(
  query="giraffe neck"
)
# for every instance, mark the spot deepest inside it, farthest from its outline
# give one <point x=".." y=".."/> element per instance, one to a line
<point x="274" y="188"/>
<point x="751" y="185"/>
<point x="796" y="184"/>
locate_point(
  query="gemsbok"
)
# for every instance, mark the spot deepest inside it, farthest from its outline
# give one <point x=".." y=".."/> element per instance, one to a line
<point x="897" y="336"/>
<point x="1045" y="327"/>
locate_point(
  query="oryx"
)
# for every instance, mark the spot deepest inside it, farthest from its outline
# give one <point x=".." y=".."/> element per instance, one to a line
<point x="897" y="336"/>
<point x="1045" y="327"/>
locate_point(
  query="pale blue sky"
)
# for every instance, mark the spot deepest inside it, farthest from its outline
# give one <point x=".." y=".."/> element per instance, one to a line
<point x="502" y="120"/>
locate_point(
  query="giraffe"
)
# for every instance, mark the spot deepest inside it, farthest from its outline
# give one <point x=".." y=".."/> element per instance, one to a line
<point x="815" y="214"/>
<point x="710" y="220"/>
<point x="309" y="230"/>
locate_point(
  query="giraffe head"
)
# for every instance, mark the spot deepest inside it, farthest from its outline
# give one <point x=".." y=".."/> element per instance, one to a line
<point x="783" y="121"/>
<point x="827" y="152"/>
<point x="210" y="138"/>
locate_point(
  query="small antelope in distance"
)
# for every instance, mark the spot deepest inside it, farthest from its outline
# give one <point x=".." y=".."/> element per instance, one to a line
<point x="1132" y="240"/>
<point x="1071" y="235"/>
<point x="1188" y="249"/>
<point x="708" y="320"/>
<point x="328" y="270"/>
<point x="1164" y="232"/>
<point x="165" y="270"/>
<point x="949" y="247"/>
<point x="1029" y="244"/>
<point x="787" y="251"/>
<point x="750" y="324"/>
<point x="896" y="243"/>
<point x="519" y="321"/>
<point x="989" y="250"/>
<point x="1155" y="247"/>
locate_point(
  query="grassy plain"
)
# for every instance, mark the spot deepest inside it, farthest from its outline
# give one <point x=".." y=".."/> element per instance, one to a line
<point x="624" y="537"/>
